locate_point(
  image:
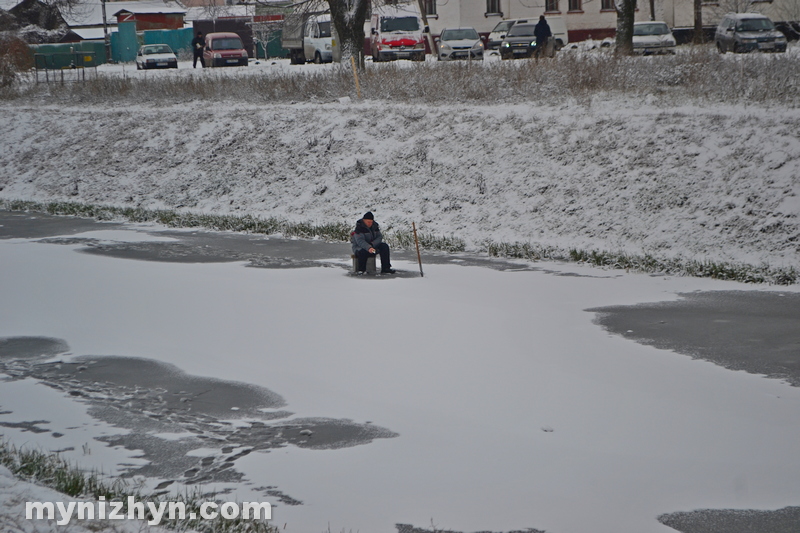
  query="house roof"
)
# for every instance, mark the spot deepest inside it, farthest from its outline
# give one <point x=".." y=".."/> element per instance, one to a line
<point x="90" y="14"/>
<point x="89" y="34"/>
<point x="210" y="12"/>
<point x="159" y="8"/>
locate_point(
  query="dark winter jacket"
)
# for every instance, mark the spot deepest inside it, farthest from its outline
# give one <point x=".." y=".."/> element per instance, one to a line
<point x="542" y="32"/>
<point x="364" y="238"/>
<point x="197" y="45"/>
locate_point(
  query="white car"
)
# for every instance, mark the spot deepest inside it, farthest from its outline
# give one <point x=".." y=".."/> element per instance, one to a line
<point x="156" y="56"/>
<point x="652" y="38"/>
<point x="459" y="43"/>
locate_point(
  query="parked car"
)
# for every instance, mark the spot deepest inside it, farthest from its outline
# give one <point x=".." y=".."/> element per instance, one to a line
<point x="556" y="23"/>
<point x="224" y="49"/>
<point x="459" y="43"/>
<point x="748" y="32"/>
<point x="156" y="56"/>
<point x="652" y="38"/>
<point x="397" y="32"/>
<point x="519" y="42"/>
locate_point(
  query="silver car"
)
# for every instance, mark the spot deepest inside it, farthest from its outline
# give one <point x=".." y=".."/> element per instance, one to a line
<point x="652" y="38"/>
<point x="459" y="43"/>
<point x="748" y="32"/>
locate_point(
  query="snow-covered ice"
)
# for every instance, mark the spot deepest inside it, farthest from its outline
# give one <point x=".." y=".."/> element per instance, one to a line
<point x="513" y="409"/>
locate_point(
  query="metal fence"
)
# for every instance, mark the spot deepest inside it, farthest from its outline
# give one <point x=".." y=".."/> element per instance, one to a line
<point x="64" y="66"/>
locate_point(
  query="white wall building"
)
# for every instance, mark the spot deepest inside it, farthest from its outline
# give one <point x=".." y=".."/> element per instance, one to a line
<point x="594" y="19"/>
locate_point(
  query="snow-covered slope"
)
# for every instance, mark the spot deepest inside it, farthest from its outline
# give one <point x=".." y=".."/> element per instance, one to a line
<point x="715" y="182"/>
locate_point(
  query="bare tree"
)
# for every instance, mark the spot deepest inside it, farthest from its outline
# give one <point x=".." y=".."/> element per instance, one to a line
<point x="264" y="33"/>
<point x="697" y="38"/>
<point x="789" y="10"/>
<point x="626" y="11"/>
<point x="736" y="6"/>
<point x="348" y="18"/>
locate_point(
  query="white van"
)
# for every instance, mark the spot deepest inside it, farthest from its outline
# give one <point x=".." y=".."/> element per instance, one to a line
<point x="317" y="39"/>
<point x="397" y="32"/>
<point x="557" y="27"/>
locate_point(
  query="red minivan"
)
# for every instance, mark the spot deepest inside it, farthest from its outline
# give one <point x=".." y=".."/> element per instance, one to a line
<point x="224" y="49"/>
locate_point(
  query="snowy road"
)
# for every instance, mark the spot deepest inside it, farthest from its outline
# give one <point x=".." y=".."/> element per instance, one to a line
<point x="470" y="399"/>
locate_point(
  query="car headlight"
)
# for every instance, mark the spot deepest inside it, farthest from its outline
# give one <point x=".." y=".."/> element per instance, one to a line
<point x="748" y="40"/>
<point x="533" y="44"/>
<point x="419" y="46"/>
<point x="781" y="38"/>
<point x="327" y="46"/>
<point x="478" y="45"/>
<point x="217" y="56"/>
<point x="505" y="44"/>
<point x="445" y="46"/>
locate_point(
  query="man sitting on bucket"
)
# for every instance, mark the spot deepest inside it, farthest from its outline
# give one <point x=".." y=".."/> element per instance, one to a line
<point x="368" y="241"/>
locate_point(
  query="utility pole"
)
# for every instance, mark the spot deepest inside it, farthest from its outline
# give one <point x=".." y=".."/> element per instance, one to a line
<point x="106" y="40"/>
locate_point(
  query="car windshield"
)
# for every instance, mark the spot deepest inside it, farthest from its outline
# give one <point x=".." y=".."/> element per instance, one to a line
<point x="325" y="29"/>
<point x="522" y="30"/>
<point x="456" y="35"/>
<point x="754" y="25"/>
<point x="159" y="49"/>
<point x="503" y="26"/>
<point x="650" y="29"/>
<point x="399" y="24"/>
<point x="227" y="43"/>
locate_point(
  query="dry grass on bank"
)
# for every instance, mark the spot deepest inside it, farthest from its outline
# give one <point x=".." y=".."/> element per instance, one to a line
<point x="699" y="74"/>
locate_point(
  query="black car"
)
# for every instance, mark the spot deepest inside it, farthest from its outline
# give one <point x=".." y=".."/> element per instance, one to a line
<point x="519" y="42"/>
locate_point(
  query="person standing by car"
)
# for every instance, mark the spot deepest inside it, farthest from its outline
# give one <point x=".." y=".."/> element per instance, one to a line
<point x="197" y="49"/>
<point x="367" y="241"/>
<point x="543" y="34"/>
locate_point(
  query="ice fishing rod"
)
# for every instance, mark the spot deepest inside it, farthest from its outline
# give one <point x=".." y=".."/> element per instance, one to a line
<point x="419" y="257"/>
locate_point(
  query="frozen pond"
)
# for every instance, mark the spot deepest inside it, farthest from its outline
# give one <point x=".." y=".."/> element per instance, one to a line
<point x="544" y="396"/>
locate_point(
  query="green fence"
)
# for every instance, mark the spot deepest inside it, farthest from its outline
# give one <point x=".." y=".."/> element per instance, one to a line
<point x="124" y="43"/>
<point x="176" y="39"/>
<point x="273" y="48"/>
<point x="68" y="55"/>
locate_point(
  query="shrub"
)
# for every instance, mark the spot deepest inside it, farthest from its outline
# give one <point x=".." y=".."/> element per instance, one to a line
<point x="15" y="57"/>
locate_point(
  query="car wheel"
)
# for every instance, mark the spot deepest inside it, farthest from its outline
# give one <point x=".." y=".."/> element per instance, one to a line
<point x="720" y="49"/>
<point x="317" y="58"/>
<point x="735" y="48"/>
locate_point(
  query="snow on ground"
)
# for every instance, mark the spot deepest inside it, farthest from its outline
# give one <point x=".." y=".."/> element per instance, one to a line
<point x="472" y="367"/>
<point x="715" y="181"/>
<point x="712" y="181"/>
<point x="15" y="493"/>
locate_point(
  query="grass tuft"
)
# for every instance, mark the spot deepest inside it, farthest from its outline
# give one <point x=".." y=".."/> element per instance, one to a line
<point x="340" y="232"/>
<point x="52" y="471"/>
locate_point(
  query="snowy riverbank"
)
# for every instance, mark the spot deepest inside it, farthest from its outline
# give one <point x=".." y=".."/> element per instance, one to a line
<point x="708" y="183"/>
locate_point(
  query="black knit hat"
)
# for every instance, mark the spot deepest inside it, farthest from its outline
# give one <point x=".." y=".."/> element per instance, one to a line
<point x="369" y="216"/>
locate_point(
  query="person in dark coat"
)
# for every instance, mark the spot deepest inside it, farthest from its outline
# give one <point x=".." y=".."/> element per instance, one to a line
<point x="367" y="241"/>
<point x="542" y="33"/>
<point x="197" y="49"/>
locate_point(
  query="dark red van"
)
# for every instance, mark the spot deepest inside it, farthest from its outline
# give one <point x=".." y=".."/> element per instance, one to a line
<point x="224" y="50"/>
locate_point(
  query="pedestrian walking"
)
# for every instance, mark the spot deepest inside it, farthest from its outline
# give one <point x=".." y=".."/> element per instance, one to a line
<point x="197" y="49"/>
